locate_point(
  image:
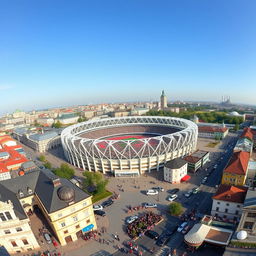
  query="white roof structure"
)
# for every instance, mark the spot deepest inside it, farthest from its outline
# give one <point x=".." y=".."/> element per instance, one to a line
<point x="241" y="235"/>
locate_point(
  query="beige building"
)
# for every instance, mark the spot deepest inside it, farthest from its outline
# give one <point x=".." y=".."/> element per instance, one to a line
<point x="67" y="208"/>
<point x="163" y="101"/>
<point x="175" y="170"/>
<point x="15" y="232"/>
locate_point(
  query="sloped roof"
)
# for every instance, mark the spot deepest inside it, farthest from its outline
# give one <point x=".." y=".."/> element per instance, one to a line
<point x="235" y="194"/>
<point x="175" y="163"/>
<point x="44" y="136"/>
<point x="247" y="133"/>
<point x="238" y="163"/>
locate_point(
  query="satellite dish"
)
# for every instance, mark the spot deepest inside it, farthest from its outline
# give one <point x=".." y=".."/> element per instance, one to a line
<point x="241" y="235"/>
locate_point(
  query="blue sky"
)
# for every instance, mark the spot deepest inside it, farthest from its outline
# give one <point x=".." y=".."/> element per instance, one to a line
<point x="59" y="53"/>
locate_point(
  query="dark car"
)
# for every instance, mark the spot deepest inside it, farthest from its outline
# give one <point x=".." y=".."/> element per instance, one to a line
<point x="174" y="191"/>
<point x="163" y="239"/>
<point x="107" y="203"/>
<point x="152" y="234"/>
<point x="100" y="212"/>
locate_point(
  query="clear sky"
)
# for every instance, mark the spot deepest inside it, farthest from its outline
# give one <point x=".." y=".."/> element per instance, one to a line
<point x="61" y="52"/>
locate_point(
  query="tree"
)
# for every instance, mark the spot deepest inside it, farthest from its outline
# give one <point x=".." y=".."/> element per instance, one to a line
<point x="95" y="180"/>
<point x="57" y="124"/>
<point x="64" y="171"/>
<point x="48" y="165"/>
<point x="42" y="158"/>
<point x="175" y="208"/>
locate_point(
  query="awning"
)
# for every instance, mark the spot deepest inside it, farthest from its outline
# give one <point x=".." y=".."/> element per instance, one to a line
<point x="185" y="178"/>
<point x="87" y="228"/>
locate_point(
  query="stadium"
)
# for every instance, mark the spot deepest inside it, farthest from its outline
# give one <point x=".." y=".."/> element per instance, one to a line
<point x="128" y="146"/>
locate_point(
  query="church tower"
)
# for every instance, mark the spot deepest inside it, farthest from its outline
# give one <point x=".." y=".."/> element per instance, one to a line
<point x="163" y="101"/>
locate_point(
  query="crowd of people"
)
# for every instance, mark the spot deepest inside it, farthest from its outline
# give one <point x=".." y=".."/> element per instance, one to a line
<point x="143" y="223"/>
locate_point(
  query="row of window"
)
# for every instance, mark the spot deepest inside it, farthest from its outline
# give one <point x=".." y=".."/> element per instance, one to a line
<point x="7" y="231"/>
<point x="14" y="244"/>
<point x="226" y="210"/>
<point x="4" y="216"/>
<point x="73" y="209"/>
<point x="63" y="224"/>
<point x="227" y="204"/>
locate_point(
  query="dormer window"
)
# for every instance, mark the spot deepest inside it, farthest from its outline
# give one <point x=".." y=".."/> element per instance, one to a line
<point x="21" y="194"/>
<point x="29" y="191"/>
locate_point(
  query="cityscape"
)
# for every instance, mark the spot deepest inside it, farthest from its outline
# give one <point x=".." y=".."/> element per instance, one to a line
<point x="127" y="128"/>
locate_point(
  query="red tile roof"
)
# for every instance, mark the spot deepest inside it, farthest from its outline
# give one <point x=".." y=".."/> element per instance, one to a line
<point x="192" y="159"/>
<point x="212" y="129"/>
<point x="238" y="163"/>
<point x="235" y="194"/>
<point x="247" y="133"/>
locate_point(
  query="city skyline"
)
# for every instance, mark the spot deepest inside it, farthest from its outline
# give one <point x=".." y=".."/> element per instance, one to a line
<point x="63" y="54"/>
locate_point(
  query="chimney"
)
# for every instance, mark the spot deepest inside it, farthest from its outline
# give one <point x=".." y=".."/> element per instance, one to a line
<point x="56" y="182"/>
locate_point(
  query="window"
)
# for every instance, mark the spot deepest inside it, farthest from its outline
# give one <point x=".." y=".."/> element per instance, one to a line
<point x="77" y="226"/>
<point x="218" y="202"/>
<point x="7" y="231"/>
<point x="60" y="215"/>
<point x="25" y="241"/>
<point x="84" y="203"/>
<point x="75" y="218"/>
<point x="8" y="215"/>
<point x="217" y="209"/>
<point x="227" y="204"/>
<point x="63" y="224"/>
<point x="86" y="213"/>
<point x="65" y="232"/>
<point x="248" y="225"/>
<point x="226" y="210"/>
<point x="73" y="210"/>
<point x="238" y="206"/>
<point x="2" y="217"/>
<point x="18" y="229"/>
<point x="88" y="221"/>
<point x="237" y="212"/>
<point x="14" y="244"/>
<point x="251" y="214"/>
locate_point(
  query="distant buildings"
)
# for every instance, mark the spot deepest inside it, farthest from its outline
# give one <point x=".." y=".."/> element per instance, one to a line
<point x="175" y="170"/>
<point x="67" y="209"/>
<point x="69" y="118"/>
<point x="163" y="101"/>
<point x="212" y="132"/>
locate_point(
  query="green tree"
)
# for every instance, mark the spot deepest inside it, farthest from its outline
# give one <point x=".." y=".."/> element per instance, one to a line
<point x="42" y="158"/>
<point x="48" y="165"/>
<point x="57" y="124"/>
<point x="96" y="180"/>
<point x="64" y="171"/>
<point x="175" y="208"/>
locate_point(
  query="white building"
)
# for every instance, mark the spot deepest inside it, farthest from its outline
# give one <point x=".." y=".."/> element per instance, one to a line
<point x="15" y="232"/>
<point x="228" y="202"/>
<point x="175" y="170"/>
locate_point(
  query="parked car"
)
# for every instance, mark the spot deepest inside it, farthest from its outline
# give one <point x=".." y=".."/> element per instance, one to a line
<point x="196" y="190"/>
<point x="107" y="203"/>
<point x="152" y="234"/>
<point x="100" y="213"/>
<point x="172" y="197"/>
<point x="97" y="207"/>
<point x="47" y="238"/>
<point x="158" y="189"/>
<point x="152" y="192"/>
<point x="174" y="191"/>
<point x="131" y="219"/>
<point x="188" y="194"/>
<point x="204" y="180"/>
<point x="183" y="225"/>
<point x="150" y="205"/>
<point x="163" y="239"/>
<point x="185" y="229"/>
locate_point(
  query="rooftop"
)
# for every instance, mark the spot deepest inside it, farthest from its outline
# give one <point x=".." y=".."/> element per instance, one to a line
<point x="212" y="129"/>
<point x="175" y="163"/>
<point x="238" y="163"/>
<point x="196" y="156"/>
<point x="235" y="194"/>
<point x="43" y="136"/>
<point x="250" y="199"/>
<point x="247" y="133"/>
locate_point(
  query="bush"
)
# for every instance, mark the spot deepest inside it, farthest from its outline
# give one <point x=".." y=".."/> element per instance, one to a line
<point x="48" y="165"/>
<point x="42" y="158"/>
<point x="175" y="208"/>
<point x="243" y="244"/>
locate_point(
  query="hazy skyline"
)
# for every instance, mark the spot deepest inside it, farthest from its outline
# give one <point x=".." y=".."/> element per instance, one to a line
<point x="79" y="52"/>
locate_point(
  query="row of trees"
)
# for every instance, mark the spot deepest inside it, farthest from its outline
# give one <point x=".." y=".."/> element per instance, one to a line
<point x="94" y="183"/>
<point x="208" y="117"/>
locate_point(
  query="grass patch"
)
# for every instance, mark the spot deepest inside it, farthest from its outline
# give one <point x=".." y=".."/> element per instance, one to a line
<point x="101" y="196"/>
<point x="212" y="144"/>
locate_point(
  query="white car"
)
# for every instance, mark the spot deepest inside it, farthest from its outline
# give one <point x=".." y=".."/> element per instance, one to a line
<point x="183" y="225"/>
<point x="132" y="219"/>
<point x="189" y="193"/>
<point x="204" y="180"/>
<point x="150" y="205"/>
<point x="97" y="207"/>
<point x="172" y="197"/>
<point x="152" y="192"/>
<point x="158" y="189"/>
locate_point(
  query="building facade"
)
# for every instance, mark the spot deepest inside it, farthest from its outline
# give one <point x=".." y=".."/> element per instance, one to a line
<point x="163" y="101"/>
<point x="175" y="170"/>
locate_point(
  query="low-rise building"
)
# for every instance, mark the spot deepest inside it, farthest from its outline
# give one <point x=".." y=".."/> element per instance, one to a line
<point x="196" y="160"/>
<point x="175" y="170"/>
<point x="67" y="208"/>
<point x="70" y="118"/>
<point x="236" y="171"/>
<point x="212" y="132"/>
<point x="228" y="202"/>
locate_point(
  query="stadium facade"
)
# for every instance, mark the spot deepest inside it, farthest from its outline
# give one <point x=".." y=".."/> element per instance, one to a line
<point x="128" y="146"/>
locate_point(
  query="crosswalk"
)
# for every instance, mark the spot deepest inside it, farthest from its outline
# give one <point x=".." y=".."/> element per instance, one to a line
<point x="163" y="251"/>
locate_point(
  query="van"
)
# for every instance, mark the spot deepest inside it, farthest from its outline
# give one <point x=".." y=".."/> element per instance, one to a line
<point x="152" y="192"/>
<point x="47" y="238"/>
